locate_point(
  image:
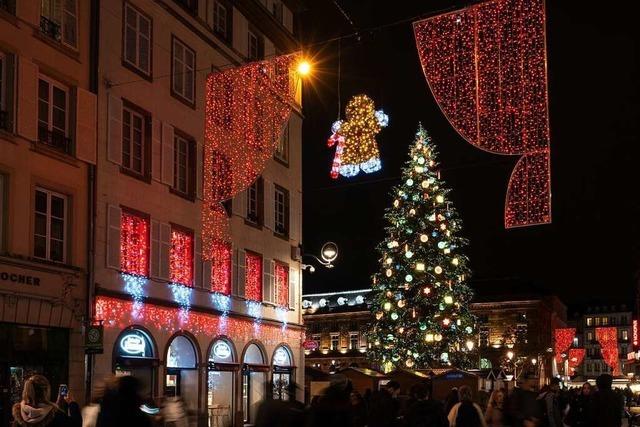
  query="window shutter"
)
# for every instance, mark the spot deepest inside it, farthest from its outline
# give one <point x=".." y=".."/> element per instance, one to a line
<point x="293" y="288"/>
<point x="267" y="281"/>
<point x="114" y="138"/>
<point x="200" y="266"/>
<point x="269" y="205"/>
<point x="86" y="116"/>
<point x="27" y="99"/>
<point x="165" y="247"/>
<point x="156" y="149"/>
<point x="10" y="71"/>
<point x="114" y="216"/>
<point x="155" y="248"/>
<point x="199" y="154"/>
<point x="239" y="204"/>
<point x="295" y="216"/>
<point x="167" y="154"/>
<point x="239" y="272"/>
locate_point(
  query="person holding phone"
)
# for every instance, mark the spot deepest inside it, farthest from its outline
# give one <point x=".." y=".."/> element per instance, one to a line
<point x="36" y="409"/>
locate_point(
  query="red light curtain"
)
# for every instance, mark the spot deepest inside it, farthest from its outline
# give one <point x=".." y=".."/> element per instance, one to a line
<point x="134" y="244"/>
<point x="181" y="257"/>
<point x="563" y="337"/>
<point x="281" y="274"/>
<point x="576" y="355"/>
<point x="221" y="268"/>
<point x="608" y="339"/>
<point x="247" y="109"/>
<point x="486" y="67"/>
<point x="253" y="280"/>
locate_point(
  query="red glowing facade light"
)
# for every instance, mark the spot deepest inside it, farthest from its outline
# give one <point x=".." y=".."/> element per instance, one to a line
<point x="247" y="109"/>
<point x="221" y="268"/>
<point x="181" y="257"/>
<point x="134" y="243"/>
<point x="281" y="277"/>
<point x="253" y="280"/>
<point x="576" y="355"/>
<point x="563" y="337"/>
<point x="486" y="67"/>
<point x="608" y="339"/>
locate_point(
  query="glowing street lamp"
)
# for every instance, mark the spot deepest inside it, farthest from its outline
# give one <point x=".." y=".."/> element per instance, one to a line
<point x="304" y="67"/>
<point x="328" y="254"/>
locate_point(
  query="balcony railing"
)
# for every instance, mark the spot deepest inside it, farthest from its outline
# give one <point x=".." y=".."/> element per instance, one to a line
<point x="50" y="28"/>
<point x="54" y="139"/>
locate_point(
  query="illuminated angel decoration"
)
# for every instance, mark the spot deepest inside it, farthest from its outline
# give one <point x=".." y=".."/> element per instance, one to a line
<point x="354" y="138"/>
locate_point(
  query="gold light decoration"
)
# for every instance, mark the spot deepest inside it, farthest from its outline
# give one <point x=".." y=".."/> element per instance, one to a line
<point x="438" y="269"/>
<point x="424" y="238"/>
<point x="420" y="266"/>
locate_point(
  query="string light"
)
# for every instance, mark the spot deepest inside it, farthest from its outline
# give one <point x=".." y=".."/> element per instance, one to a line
<point x="563" y="337"/>
<point x="354" y="138"/>
<point x="253" y="281"/>
<point x="576" y="355"/>
<point x="608" y="339"/>
<point x="134" y="244"/>
<point x="486" y="67"/>
<point x="281" y="277"/>
<point x="181" y="257"/>
<point x="221" y="268"/>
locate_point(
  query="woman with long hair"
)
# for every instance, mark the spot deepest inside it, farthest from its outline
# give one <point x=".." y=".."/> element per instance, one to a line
<point x="494" y="416"/>
<point x="37" y="410"/>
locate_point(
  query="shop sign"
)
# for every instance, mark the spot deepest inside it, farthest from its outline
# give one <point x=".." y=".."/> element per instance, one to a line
<point x="21" y="279"/>
<point x="635" y="333"/>
<point x="133" y="345"/>
<point x="93" y="339"/>
<point x="310" y="345"/>
<point x="221" y="350"/>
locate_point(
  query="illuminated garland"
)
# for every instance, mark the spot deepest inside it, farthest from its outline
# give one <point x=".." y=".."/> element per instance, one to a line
<point x="253" y="280"/>
<point x="134" y="244"/>
<point x="354" y="138"/>
<point x="117" y="313"/>
<point x="576" y="355"/>
<point x="221" y="268"/>
<point x="181" y="257"/>
<point x="281" y="277"/>
<point x="563" y="337"/>
<point x="247" y="108"/>
<point x="486" y="67"/>
<point x="608" y="339"/>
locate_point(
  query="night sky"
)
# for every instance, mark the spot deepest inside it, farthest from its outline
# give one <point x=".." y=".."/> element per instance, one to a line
<point x="591" y="251"/>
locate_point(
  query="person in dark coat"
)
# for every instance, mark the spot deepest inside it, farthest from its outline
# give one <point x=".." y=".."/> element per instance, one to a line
<point x="384" y="407"/>
<point x="423" y="411"/>
<point x="332" y="408"/>
<point x="36" y="409"/>
<point x="578" y="415"/>
<point x="606" y="406"/>
<point x="120" y="404"/>
<point x="522" y="409"/>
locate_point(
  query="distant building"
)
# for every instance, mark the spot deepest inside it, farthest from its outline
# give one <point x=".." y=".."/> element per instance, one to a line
<point x="337" y="323"/>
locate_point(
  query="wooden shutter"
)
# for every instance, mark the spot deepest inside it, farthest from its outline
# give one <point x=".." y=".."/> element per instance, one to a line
<point x="293" y="288"/>
<point x="268" y="292"/>
<point x="239" y="204"/>
<point x="114" y="137"/>
<point x="295" y="215"/>
<point x="27" y="99"/>
<point x="155" y="249"/>
<point x="202" y="279"/>
<point x="156" y="149"/>
<point x="86" y="118"/>
<point x="167" y="154"/>
<point x="199" y="170"/>
<point x="239" y="272"/>
<point x="165" y="247"/>
<point x="269" y="205"/>
<point x="114" y="217"/>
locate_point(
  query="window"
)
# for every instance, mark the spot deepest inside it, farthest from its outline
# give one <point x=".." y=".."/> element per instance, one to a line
<point x="137" y="40"/>
<point x="255" y="48"/>
<point x="484" y="336"/>
<point x="282" y="149"/>
<point x="3" y="185"/>
<point x="58" y="21"/>
<point x="50" y="227"/>
<point x="281" y="277"/>
<point x="184" y="166"/>
<point x="183" y="71"/>
<point x="276" y="10"/>
<point x="575" y="341"/>
<point x="354" y="340"/>
<point x="623" y="352"/>
<point x="222" y="19"/>
<point x="281" y="211"/>
<point x="8" y="6"/>
<point x="589" y="321"/>
<point x="181" y="256"/>
<point x="605" y="321"/>
<point x="589" y="336"/>
<point x="221" y="268"/>
<point x="597" y="319"/>
<point x="4" y="115"/>
<point x="255" y="205"/>
<point x="253" y="279"/>
<point x="53" y="116"/>
<point x="135" y="140"/>
<point x="624" y="335"/>
<point x="134" y="243"/>
<point x="190" y="5"/>
<point x="335" y="341"/>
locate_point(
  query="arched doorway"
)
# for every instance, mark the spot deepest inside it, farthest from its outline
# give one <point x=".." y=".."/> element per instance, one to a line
<point x="221" y="368"/>
<point x="283" y="379"/>
<point x="134" y="353"/>
<point x="182" y="370"/>
<point x="254" y="380"/>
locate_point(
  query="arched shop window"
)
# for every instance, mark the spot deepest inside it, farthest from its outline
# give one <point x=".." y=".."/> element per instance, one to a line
<point x="283" y="379"/>
<point x="182" y="370"/>
<point x="220" y="379"/>
<point x="135" y="343"/>
<point x="135" y="355"/>
<point x="254" y="380"/>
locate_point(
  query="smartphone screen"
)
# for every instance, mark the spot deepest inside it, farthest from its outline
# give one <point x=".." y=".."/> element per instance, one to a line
<point x="63" y="390"/>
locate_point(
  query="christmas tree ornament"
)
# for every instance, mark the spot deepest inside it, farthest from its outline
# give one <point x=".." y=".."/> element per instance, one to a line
<point x="424" y="238"/>
<point x="354" y="138"/>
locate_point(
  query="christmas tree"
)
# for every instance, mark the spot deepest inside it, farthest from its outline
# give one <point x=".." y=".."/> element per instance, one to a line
<point x="420" y="297"/>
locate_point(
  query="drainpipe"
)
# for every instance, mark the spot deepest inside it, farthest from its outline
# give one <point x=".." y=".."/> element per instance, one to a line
<point x="94" y="44"/>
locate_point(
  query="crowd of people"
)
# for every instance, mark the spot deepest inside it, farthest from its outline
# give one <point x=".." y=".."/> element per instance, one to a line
<point x="119" y="404"/>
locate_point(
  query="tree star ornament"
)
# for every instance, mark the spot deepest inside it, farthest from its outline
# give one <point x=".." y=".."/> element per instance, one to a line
<point x="354" y="138"/>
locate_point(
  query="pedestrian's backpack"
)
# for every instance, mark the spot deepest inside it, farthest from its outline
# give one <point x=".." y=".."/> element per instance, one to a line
<point x="468" y="415"/>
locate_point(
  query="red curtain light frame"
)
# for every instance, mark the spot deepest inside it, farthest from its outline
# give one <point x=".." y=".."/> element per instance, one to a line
<point x="575" y="357"/>
<point x="181" y="257"/>
<point x="221" y="268"/>
<point x="281" y="277"/>
<point x="253" y="279"/>
<point x="134" y="243"/>
<point x="608" y="339"/>
<point x="486" y="66"/>
<point x="563" y="337"/>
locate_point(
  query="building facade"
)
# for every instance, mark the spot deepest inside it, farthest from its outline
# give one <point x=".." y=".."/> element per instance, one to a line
<point x="47" y="148"/>
<point x="222" y="351"/>
<point x="336" y="325"/>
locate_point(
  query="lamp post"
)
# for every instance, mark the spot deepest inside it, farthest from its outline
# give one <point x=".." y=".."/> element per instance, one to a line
<point x="328" y="254"/>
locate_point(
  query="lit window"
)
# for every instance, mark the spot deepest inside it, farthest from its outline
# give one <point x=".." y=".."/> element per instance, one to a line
<point x="184" y="65"/>
<point x="137" y="40"/>
<point x="181" y="256"/>
<point x="335" y="341"/>
<point x="53" y="114"/>
<point x="221" y="268"/>
<point x="184" y="164"/>
<point x="605" y="321"/>
<point x="354" y="340"/>
<point x="589" y="336"/>
<point x="58" y="20"/>
<point x="49" y="237"/>
<point x="625" y="334"/>
<point x="134" y="243"/>
<point x="134" y="141"/>
<point x="281" y="276"/>
<point x="253" y="280"/>
<point x="281" y="211"/>
<point x="589" y="321"/>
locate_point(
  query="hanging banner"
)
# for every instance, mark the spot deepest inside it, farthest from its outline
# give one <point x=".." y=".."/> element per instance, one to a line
<point x="486" y="66"/>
